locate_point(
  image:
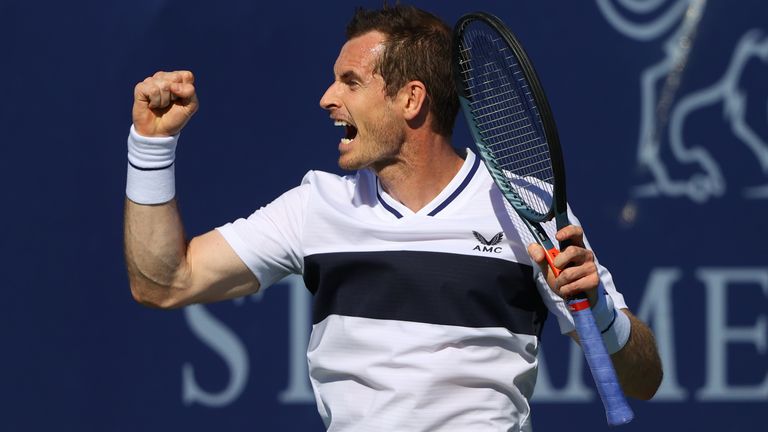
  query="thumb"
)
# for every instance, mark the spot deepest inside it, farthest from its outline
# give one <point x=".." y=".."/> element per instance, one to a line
<point x="539" y="256"/>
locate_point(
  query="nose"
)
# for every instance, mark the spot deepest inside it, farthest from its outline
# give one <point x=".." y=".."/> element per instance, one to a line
<point x="329" y="100"/>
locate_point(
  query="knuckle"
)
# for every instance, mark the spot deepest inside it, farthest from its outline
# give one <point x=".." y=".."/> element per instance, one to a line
<point x="566" y="276"/>
<point x="173" y="76"/>
<point x="152" y="87"/>
<point x="574" y="253"/>
<point x="161" y="83"/>
<point x="589" y="256"/>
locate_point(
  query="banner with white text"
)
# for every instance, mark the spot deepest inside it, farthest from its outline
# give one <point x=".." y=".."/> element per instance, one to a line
<point x="662" y="110"/>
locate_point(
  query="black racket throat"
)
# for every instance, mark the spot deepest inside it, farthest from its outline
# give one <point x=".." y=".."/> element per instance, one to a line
<point x="489" y="65"/>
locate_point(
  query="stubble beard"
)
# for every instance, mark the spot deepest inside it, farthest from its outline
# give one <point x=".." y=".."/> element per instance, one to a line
<point x="380" y="146"/>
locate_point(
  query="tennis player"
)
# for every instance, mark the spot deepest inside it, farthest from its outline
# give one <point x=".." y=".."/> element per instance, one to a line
<point x="428" y="301"/>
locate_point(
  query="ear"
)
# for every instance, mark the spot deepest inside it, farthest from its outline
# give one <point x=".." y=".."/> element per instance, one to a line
<point x="412" y="98"/>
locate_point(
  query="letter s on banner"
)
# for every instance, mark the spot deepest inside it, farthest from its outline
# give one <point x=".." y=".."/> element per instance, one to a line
<point x="226" y="344"/>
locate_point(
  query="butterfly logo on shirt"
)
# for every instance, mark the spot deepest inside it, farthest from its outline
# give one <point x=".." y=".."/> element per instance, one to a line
<point x="488" y="245"/>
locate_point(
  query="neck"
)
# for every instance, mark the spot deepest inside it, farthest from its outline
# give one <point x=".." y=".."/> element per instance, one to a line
<point x="420" y="172"/>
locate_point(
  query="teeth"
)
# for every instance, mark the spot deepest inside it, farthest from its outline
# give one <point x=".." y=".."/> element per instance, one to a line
<point x="344" y="124"/>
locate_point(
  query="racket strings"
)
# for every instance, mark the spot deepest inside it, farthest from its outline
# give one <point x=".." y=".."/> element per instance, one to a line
<point x="506" y="116"/>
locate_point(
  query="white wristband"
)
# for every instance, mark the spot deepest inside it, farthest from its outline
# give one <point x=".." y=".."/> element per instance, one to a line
<point x="150" y="178"/>
<point x="612" y="323"/>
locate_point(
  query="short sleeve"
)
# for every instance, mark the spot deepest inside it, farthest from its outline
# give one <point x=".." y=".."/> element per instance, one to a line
<point x="269" y="241"/>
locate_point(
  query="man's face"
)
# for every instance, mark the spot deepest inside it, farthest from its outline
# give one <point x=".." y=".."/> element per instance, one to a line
<point x="357" y="101"/>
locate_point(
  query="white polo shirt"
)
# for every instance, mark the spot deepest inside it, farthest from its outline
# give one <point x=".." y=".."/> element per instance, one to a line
<point x="425" y="321"/>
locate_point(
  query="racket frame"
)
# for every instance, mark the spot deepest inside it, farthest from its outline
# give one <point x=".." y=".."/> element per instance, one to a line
<point x="617" y="410"/>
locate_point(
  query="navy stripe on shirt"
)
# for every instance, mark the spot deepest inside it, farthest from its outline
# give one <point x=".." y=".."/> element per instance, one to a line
<point x="427" y="287"/>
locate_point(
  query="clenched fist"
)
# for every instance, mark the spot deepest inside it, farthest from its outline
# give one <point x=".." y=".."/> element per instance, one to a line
<point x="164" y="103"/>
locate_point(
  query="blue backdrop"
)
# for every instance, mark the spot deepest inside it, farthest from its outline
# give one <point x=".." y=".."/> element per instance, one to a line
<point x="662" y="108"/>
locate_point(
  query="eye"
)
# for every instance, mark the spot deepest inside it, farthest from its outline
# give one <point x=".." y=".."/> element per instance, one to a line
<point x="351" y="80"/>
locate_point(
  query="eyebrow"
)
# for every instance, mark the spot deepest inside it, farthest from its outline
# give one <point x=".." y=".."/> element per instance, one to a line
<point x="350" y="76"/>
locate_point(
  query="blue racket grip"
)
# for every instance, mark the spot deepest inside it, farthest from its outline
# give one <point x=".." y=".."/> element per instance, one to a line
<point x="617" y="409"/>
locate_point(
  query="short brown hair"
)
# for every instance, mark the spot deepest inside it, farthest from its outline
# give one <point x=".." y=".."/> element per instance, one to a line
<point x="417" y="47"/>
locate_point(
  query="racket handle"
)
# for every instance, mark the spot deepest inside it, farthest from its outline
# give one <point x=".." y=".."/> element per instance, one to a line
<point x="617" y="409"/>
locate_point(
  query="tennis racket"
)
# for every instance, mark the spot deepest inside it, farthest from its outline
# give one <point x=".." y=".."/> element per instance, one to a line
<point x="515" y="133"/>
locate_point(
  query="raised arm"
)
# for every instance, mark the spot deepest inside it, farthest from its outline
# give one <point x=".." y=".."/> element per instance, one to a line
<point x="634" y="354"/>
<point x="164" y="269"/>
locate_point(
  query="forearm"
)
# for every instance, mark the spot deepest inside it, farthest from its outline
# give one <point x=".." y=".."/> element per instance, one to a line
<point x="635" y="357"/>
<point x="155" y="250"/>
<point x="164" y="269"/>
<point x="637" y="364"/>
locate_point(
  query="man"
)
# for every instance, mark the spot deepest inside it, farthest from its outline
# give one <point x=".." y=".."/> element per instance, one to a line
<point x="416" y="327"/>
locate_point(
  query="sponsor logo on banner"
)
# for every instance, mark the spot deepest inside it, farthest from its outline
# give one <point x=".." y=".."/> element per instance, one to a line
<point x="681" y="165"/>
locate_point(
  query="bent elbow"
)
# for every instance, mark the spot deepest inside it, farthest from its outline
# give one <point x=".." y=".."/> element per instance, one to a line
<point x="649" y="386"/>
<point x="154" y="296"/>
<point x="654" y="385"/>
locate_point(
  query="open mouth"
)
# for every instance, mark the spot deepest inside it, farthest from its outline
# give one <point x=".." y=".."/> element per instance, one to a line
<point x="350" y="132"/>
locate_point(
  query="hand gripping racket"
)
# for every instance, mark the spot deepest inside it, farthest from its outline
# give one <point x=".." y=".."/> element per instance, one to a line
<point x="513" y="127"/>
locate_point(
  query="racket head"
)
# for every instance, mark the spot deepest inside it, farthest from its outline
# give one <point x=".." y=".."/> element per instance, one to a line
<point x="509" y="116"/>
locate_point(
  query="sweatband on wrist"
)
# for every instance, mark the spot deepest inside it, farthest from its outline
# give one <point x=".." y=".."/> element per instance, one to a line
<point x="613" y="324"/>
<point x="150" y="178"/>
